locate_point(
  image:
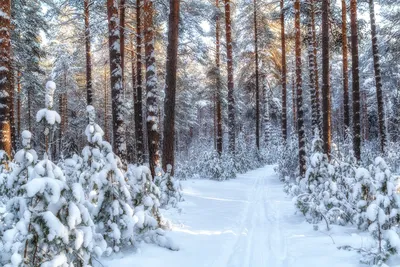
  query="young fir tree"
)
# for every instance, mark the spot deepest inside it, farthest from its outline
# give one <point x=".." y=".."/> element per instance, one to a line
<point x="146" y="197"/>
<point x="170" y="189"/>
<point x="112" y="207"/>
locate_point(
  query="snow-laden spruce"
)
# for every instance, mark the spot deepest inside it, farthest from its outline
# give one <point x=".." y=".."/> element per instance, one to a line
<point x="146" y="197"/>
<point x="111" y="201"/>
<point x="170" y="188"/>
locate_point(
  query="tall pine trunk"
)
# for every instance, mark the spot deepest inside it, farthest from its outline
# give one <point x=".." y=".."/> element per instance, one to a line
<point x="257" y="78"/>
<point x="345" y="67"/>
<point x="231" y="99"/>
<point x="326" y="90"/>
<point x="316" y="73"/>
<point x="356" y="82"/>
<point x="138" y="91"/>
<point x="89" y="90"/>
<point x="170" y="86"/>
<point x="284" y="73"/>
<point x="118" y="123"/>
<point x="378" y="78"/>
<point x="299" y="91"/>
<point x="311" y="69"/>
<point x="151" y="87"/>
<point x="122" y="39"/>
<point x="218" y="82"/>
<point x="5" y="76"/>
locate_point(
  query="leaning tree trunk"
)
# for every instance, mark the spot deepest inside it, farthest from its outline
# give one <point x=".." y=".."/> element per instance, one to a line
<point x="218" y="82"/>
<point x="257" y="78"/>
<point x="299" y="91"/>
<point x="378" y="78"/>
<point x="231" y="99"/>
<point x="345" y="68"/>
<point x="151" y="87"/>
<point x="138" y="91"/>
<point x="118" y="123"/>
<point x="283" y="77"/>
<point x="356" y="81"/>
<point x="5" y="76"/>
<point x="170" y="86"/>
<point x="326" y="90"/>
<point x="89" y="90"/>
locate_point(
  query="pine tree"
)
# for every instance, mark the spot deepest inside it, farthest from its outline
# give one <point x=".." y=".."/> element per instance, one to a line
<point x="346" y="106"/>
<point x="89" y="92"/>
<point x="284" y="73"/>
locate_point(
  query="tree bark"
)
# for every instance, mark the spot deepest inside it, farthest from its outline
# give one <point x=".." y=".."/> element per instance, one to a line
<point x="170" y="86"/>
<point x="89" y="90"/>
<point x="151" y="88"/>
<point x="122" y="39"/>
<point x="284" y="73"/>
<point x="219" y="83"/>
<point x="5" y="76"/>
<point x="311" y="69"/>
<point x="231" y="99"/>
<point x="356" y="81"/>
<point x="138" y="91"/>
<point x="316" y="73"/>
<point x="326" y="90"/>
<point x="299" y="91"/>
<point x="345" y="67"/>
<point x="119" y="142"/>
<point x="378" y="78"/>
<point x="257" y="78"/>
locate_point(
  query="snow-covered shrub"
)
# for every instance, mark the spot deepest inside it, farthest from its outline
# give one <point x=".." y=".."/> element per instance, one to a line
<point x="146" y="197"/>
<point x="3" y="174"/>
<point x="288" y="161"/>
<point x="170" y="189"/>
<point x="363" y="194"/>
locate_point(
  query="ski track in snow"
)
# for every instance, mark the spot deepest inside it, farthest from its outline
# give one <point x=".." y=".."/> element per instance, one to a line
<point x="244" y="222"/>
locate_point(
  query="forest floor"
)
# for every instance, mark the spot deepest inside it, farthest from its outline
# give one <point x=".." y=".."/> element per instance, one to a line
<point x="244" y="222"/>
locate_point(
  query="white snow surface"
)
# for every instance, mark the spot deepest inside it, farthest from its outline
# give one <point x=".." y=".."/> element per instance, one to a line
<point x="244" y="222"/>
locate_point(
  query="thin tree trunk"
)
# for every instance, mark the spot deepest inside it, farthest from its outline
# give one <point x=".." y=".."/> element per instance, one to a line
<point x="257" y="78"/>
<point x="5" y="76"/>
<point x="345" y="67"/>
<point x="231" y="99"/>
<point x="89" y="91"/>
<point x="284" y="73"/>
<point x="170" y="86"/>
<point x="12" y="109"/>
<point x="119" y="142"/>
<point x="133" y="155"/>
<point x="19" y="105"/>
<point x="311" y="69"/>
<point x="299" y="91"/>
<point x="219" y="83"/>
<point x="30" y="108"/>
<point x="138" y="91"/>
<point x="122" y="39"/>
<point x="105" y="105"/>
<point x="326" y="90"/>
<point x="378" y="78"/>
<point x="294" y="104"/>
<point x="151" y="88"/>
<point x="356" y="82"/>
<point x="316" y="74"/>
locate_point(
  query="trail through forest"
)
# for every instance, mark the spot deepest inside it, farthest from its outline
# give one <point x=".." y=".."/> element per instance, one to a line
<point x="247" y="222"/>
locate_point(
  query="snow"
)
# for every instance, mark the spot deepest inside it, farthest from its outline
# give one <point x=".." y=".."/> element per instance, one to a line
<point x="247" y="221"/>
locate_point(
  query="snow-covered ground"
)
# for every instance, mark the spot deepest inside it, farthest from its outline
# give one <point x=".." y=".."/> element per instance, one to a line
<point x="244" y="222"/>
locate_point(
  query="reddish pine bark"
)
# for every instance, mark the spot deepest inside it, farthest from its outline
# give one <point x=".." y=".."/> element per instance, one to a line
<point x="231" y="99"/>
<point x="170" y="86"/>
<point x="5" y="76"/>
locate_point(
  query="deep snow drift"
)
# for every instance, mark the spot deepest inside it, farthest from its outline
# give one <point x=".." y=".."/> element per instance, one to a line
<point x="244" y="222"/>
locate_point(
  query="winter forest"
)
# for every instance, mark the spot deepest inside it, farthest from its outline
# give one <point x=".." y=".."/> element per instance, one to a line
<point x="237" y="133"/>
